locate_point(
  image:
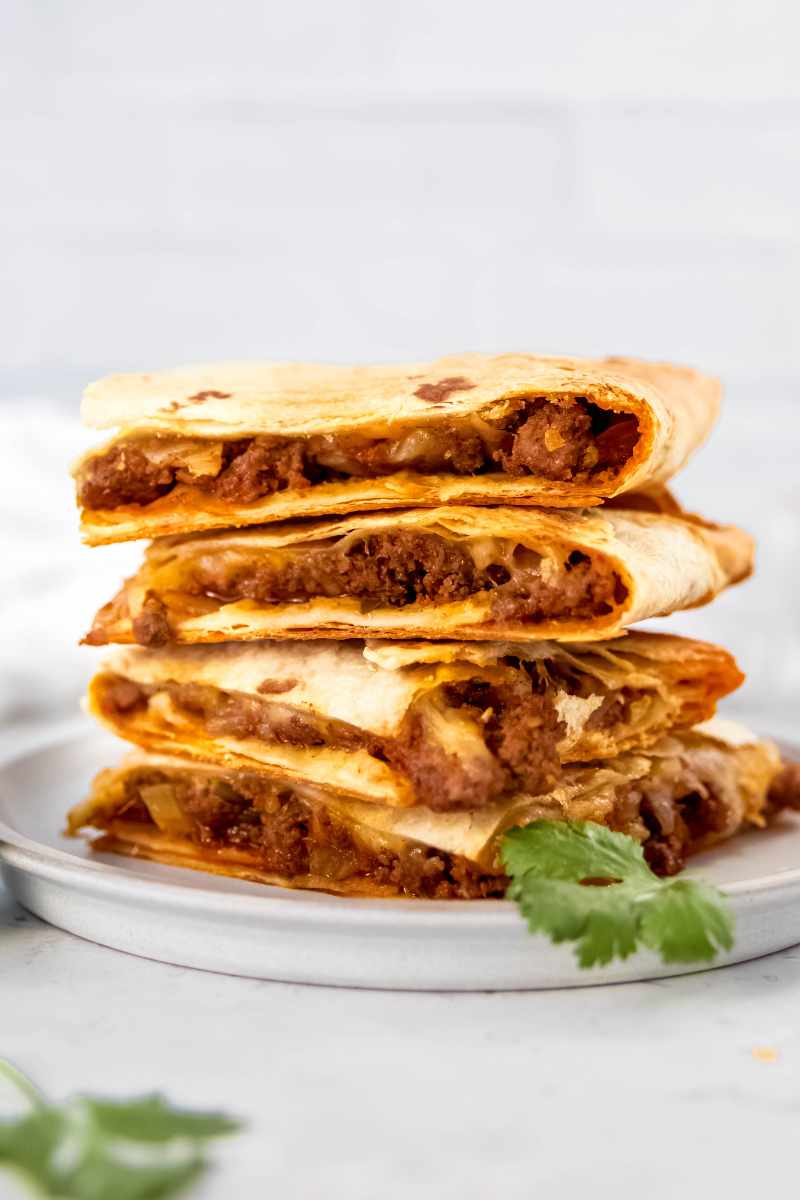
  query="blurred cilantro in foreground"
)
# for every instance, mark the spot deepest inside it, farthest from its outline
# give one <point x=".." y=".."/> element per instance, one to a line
<point x="579" y="882"/>
<point x="91" y="1149"/>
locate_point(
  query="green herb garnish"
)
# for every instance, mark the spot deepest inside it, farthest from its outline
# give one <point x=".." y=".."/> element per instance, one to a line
<point x="93" y="1149"/>
<point x="579" y="882"/>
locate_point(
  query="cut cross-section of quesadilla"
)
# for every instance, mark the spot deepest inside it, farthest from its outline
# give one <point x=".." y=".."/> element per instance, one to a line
<point x="430" y="573"/>
<point x="235" y="444"/>
<point x="448" y="725"/>
<point x="688" y="792"/>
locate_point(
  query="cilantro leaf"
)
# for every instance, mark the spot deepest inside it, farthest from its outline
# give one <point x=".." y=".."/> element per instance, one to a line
<point x="151" y="1119"/>
<point x="577" y="881"/>
<point x="94" y="1149"/>
<point x="687" y="921"/>
<point x="30" y="1143"/>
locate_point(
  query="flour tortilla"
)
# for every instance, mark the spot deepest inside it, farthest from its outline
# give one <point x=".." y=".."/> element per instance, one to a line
<point x="666" y="563"/>
<point x="675" y="408"/>
<point x="371" y="690"/>
<point x="742" y="767"/>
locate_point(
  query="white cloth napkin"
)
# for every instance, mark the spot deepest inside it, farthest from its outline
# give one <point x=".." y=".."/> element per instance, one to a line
<point x="50" y="585"/>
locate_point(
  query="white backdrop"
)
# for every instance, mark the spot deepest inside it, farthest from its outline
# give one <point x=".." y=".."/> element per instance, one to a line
<point x="364" y="180"/>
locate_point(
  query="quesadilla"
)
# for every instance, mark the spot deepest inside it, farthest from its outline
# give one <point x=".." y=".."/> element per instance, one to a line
<point x="463" y="573"/>
<point x="686" y="793"/>
<point x="448" y="725"/>
<point x="235" y="444"/>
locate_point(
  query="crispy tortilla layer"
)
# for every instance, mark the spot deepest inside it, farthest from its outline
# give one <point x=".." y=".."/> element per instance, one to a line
<point x="463" y="728"/>
<point x="692" y="793"/>
<point x="446" y="573"/>
<point x="242" y="444"/>
<point x="566" y="440"/>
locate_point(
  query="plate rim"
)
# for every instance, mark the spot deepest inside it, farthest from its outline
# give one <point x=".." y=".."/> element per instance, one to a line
<point x="59" y="866"/>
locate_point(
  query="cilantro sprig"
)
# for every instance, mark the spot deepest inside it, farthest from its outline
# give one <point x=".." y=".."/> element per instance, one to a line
<point x="579" y="882"/>
<point x="96" y="1149"/>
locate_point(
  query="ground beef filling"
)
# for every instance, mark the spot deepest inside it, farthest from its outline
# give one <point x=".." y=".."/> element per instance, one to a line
<point x="151" y="626"/>
<point x="124" y="475"/>
<point x="403" y="567"/>
<point x="556" y="440"/>
<point x="519" y="726"/>
<point x="290" y="837"/>
<point x="583" y="589"/>
<point x="784" y="791"/>
<point x="395" y="569"/>
<point x="678" y="815"/>
<point x="614" y="707"/>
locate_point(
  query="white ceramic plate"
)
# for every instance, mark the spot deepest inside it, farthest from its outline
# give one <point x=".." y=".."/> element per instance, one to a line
<point x="218" y="924"/>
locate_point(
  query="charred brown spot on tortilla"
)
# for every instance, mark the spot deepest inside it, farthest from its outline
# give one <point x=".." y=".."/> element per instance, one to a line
<point x="279" y="832"/>
<point x="437" y="393"/>
<point x="566" y="440"/>
<point x="197" y="398"/>
<point x="276" y="686"/>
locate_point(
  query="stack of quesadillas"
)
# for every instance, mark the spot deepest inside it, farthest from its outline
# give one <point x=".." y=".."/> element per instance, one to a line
<point x="385" y="617"/>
